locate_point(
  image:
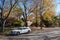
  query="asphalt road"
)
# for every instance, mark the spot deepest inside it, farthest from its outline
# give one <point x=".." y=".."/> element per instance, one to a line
<point x="45" y="34"/>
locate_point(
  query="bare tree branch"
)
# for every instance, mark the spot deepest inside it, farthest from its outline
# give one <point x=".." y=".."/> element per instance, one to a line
<point x="11" y="7"/>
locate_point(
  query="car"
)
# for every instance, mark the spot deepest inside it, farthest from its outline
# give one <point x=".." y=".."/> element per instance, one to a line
<point x="21" y="30"/>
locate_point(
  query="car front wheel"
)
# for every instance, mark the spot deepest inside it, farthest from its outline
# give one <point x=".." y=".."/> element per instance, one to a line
<point x="18" y="33"/>
<point x="28" y="31"/>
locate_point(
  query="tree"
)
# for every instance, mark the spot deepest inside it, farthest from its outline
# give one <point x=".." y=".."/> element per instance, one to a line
<point x="46" y="5"/>
<point x="49" y="18"/>
<point x="36" y="15"/>
<point x="17" y="13"/>
<point x="4" y="6"/>
<point x="35" y="10"/>
<point x="25" y="9"/>
<point x="42" y="6"/>
<point x="49" y="15"/>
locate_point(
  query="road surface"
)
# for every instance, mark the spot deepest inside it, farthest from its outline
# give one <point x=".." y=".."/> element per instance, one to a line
<point x="46" y="34"/>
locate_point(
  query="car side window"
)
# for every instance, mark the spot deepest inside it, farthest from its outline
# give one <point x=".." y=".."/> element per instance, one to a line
<point x="24" y="28"/>
<point x="20" y="28"/>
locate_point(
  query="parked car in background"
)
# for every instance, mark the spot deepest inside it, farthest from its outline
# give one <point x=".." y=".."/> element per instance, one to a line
<point x="21" y="30"/>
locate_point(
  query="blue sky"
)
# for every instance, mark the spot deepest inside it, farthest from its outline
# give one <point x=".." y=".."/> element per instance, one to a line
<point x="57" y="8"/>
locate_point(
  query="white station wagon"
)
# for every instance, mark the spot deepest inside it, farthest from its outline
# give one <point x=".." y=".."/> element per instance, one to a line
<point x="21" y="30"/>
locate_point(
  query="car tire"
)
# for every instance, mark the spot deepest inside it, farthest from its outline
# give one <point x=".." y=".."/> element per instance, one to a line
<point x="18" y="33"/>
<point x="28" y="31"/>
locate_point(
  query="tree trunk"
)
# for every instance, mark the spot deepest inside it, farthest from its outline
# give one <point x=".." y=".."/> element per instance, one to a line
<point x="41" y="27"/>
<point x="4" y="25"/>
<point x="41" y="18"/>
<point x="26" y="23"/>
<point x="25" y="16"/>
<point x="25" y="20"/>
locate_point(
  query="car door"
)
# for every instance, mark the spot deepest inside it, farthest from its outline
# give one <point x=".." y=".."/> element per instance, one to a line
<point x="24" y="30"/>
<point x="21" y="30"/>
